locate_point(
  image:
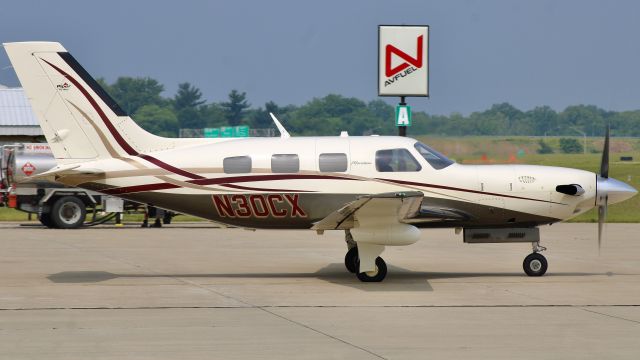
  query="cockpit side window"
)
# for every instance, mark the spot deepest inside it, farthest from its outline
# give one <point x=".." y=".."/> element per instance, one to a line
<point x="434" y="158"/>
<point x="396" y="160"/>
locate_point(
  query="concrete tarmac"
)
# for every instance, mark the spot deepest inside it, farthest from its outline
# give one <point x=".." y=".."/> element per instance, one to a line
<point x="195" y="292"/>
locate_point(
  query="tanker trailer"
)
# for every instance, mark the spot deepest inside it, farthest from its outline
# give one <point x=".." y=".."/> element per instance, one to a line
<point x="56" y="205"/>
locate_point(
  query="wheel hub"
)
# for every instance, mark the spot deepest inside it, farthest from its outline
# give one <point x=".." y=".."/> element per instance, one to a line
<point x="535" y="265"/>
<point x="372" y="273"/>
<point x="70" y="213"/>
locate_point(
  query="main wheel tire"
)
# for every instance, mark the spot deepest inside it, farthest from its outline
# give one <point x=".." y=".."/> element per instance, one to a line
<point x="45" y="219"/>
<point x="535" y="265"/>
<point x="350" y="260"/>
<point x="68" y="212"/>
<point x="373" y="276"/>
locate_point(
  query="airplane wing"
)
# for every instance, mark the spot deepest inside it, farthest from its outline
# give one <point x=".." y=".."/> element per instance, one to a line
<point x="396" y="206"/>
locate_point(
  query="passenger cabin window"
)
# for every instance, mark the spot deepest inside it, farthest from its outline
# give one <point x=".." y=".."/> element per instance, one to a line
<point x="434" y="158"/>
<point x="237" y="165"/>
<point x="333" y="162"/>
<point x="396" y="160"/>
<point x="285" y="163"/>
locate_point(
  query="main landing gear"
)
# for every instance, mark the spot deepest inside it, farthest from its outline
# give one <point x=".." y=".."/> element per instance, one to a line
<point x="352" y="263"/>
<point x="535" y="264"/>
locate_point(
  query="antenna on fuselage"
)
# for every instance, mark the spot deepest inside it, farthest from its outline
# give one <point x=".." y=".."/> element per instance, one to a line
<point x="283" y="132"/>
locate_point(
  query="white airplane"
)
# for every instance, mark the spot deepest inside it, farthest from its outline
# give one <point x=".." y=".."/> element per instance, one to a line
<point x="377" y="189"/>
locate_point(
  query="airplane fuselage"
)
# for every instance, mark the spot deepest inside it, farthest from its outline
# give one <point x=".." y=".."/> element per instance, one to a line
<point x="295" y="182"/>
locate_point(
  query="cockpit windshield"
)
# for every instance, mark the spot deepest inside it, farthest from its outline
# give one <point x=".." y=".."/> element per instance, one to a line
<point x="434" y="158"/>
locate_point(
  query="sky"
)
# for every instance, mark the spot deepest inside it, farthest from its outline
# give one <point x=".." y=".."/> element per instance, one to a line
<point x="528" y="53"/>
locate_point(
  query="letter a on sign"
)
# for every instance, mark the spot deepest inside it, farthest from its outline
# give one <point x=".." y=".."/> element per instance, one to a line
<point x="403" y="115"/>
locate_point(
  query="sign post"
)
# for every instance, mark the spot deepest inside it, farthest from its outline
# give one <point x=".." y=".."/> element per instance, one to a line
<point x="403" y="66"/>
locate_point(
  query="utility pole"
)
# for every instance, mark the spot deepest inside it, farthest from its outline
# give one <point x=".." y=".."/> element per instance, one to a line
<point x="402" y="130"/>
<point x="584" y="137"/>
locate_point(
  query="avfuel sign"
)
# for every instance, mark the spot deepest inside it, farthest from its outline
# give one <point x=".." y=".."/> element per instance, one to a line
<point x="403" y="60"/>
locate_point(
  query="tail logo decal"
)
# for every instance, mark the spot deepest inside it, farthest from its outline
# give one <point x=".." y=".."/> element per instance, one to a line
<point x="63" y="87"/>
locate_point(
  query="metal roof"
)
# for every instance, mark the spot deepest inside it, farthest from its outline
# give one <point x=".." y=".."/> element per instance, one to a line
<point x="16" y="115"/>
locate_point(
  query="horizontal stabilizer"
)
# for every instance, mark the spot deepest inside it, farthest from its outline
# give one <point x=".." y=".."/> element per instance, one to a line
<point x="64" y="170"/>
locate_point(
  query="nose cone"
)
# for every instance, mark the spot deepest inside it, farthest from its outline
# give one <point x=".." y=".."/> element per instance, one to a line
<point x="614" y="190"/>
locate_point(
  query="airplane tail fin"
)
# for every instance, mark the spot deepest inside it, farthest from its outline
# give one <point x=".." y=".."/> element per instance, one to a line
<point x="79" y="119"/>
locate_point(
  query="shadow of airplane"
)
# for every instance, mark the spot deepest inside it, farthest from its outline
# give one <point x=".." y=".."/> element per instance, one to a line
<point x="398" y="279"/>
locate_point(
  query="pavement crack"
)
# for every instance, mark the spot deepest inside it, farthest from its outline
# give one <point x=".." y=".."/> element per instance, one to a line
<point x="323" y="333"/>
<point x="611" y="316"/>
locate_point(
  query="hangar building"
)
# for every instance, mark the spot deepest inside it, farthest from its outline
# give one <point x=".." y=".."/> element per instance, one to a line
<point x="18" y="123"/>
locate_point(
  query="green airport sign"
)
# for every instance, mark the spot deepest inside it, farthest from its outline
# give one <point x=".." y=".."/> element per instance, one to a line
<point x="212" y="132"/>
<point x="227" y="131"/>
<point x="241" y="131"/>
<point x="403" y="115"/>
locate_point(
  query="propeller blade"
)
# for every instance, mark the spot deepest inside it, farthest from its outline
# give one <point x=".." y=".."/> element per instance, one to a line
<point x="602" y="217"/>
<point x="604" y="164"/>
<point x="603" y="198"/>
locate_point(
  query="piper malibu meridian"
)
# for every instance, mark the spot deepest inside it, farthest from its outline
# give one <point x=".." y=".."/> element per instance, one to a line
<point x="379" y="190"/>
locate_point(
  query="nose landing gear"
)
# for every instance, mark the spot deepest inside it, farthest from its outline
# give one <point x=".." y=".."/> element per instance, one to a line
<point x="352" y="261"/>
<point x="535" y="264"/>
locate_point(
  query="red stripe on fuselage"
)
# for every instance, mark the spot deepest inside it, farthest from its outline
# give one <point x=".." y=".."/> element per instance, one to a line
<point x="227" y="182"/>
<point x="168" y="167"/>
<point x="140" y="188"/>
<point x="444" y="187"/>
<point x="240" y="187"/>
<point x="250" y="178"/>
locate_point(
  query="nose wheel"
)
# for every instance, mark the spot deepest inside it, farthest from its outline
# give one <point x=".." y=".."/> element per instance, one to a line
<point x="535" y="264"/>
<point x="376" y="275"/>
<point x="352" y="263"/>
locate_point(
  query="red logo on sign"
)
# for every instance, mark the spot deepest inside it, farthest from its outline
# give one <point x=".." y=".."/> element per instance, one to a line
<point x="28" y="169"/>
<point x="390" y="49"/>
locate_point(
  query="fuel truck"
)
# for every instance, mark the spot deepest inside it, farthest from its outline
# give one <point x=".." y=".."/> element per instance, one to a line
<point x="55" y="205"/>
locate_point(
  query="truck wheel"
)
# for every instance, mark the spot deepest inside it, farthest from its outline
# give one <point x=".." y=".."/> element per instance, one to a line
<point x="68" y="212"/>
<point x="45" y="219"/>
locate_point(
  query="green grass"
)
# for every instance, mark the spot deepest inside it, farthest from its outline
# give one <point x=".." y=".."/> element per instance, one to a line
<point x="8" y="214"/>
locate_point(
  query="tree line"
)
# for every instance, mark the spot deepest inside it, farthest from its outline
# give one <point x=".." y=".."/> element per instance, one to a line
<point x="142" y="99"/>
